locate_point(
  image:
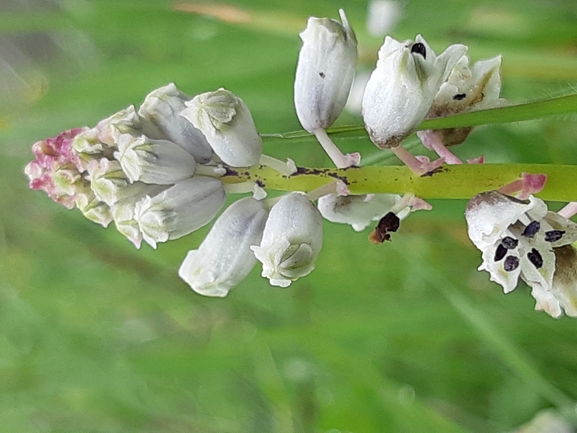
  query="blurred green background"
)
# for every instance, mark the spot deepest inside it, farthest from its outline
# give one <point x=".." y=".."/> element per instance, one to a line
<point x="407" y="336"/>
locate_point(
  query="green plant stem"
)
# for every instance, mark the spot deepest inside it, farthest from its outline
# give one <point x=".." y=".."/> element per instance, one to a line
<point x="451" y="182"/>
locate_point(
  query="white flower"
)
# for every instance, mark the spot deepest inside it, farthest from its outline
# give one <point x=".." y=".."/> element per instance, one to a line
<point x="227" y="124"/>
<point x="359" y="210"/>
<point x="402" y="88"/>
<point x="179" y="210"/>
<point x="291" y="241"/>
<point x="466" y="90"/>
<point x="224" y="258"/>
<point x="325" y="71"/>
<point x="162" y="108"/>
<point x="159" y="162"/>
<point x="524" y="239"/>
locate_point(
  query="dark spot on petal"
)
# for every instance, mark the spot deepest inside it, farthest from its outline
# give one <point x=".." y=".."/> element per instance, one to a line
<point x="322" y="74"/>
<point x="535" y="257"/>
<point x="260" y="183"/>
<point x="500" y="253"/>
<point x="511" y="263"/>
<point x="459" y="96"/>
<point x="554" y="235"/>
<point x="531" y="230"/>
<point x="509" y="243"/>
<point x="389" y="223"/>
<point x="419" y="48"/>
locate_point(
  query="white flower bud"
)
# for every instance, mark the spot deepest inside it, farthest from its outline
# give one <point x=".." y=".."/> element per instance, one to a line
<point x="107" y="180"/>
<point x="123" y="212"/>
<point x="291" y="241"/>
<point x="162" y="108"/>
<point x="358" y="210"/>
<point x="325" y="71"/>
<point x="179" y="210"/>
<point x="227" y="124"/>
<point x="401" y="89"/>
<point x="224" y="258"/>
<point x="158" y="162"/>
<point x="92" y="208"/>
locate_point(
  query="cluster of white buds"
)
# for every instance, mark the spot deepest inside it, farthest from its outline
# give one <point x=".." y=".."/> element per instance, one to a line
<point x="152" y="172"/>
<point x="409" y="84"/>
<point x="522" y="238"/>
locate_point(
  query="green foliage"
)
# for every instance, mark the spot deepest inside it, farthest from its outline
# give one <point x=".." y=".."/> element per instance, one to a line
<point x="401" y="337"/>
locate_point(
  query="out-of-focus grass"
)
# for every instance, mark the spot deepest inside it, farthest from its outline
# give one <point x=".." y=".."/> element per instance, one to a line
<point x="407" y="336"/>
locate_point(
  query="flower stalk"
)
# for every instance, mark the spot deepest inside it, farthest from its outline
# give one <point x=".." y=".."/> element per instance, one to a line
<point x="451" y="182"/>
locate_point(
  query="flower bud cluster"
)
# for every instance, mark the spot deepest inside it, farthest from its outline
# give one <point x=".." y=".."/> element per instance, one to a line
<point x="151" y="171"/>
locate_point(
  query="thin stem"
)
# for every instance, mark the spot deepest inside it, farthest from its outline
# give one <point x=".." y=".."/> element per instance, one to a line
<point x="210" y="170"/>
<point x="451" y="182"/>
<point x="286" y="168"/>
<point x="416" y="165"/>
<point x="339" y="159"/>
<point x="569" y="210"/>
<point x="239" y="188"/>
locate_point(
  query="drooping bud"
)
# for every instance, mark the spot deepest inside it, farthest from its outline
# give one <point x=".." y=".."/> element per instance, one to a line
<point x="224" y="258"/>
<point x="162" y="107"/>
<point x="159" y="162"/>
<point x="325" y="71"/>
<point x="359" y="210"/>
<point x="227" y="124"/>
<point x="291" y="241"/>
<point x="179" y="210"/>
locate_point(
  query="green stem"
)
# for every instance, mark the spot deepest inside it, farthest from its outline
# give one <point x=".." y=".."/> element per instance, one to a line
<point x="451" y="182"/>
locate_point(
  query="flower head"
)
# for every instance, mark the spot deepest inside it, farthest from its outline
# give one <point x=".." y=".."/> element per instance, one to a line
<point x="325" y="71"/>
<point x="162" y="108"/>
<point x="402" y="88"/>
<point x="224" y="258"/>
<point x="291" y="241"/>
<point x="227" y="124"/>
<point x="523" y="239"/>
